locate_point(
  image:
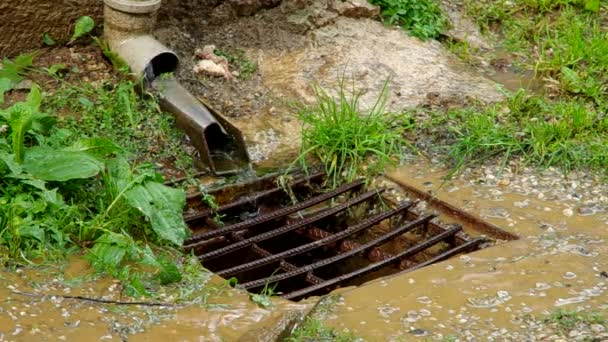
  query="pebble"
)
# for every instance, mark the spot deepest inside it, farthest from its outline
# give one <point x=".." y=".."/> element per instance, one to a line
<point x="568" y="212"/>
<point x="597" y="328"/>
<point x="586" y="211"/>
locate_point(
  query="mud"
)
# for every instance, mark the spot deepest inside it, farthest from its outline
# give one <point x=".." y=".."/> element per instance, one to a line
<point x="290" y="57"/>
<point x="488" y="293"/>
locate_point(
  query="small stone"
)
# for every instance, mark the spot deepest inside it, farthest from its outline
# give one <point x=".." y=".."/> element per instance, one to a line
<point x="419" y="332"/>
<point x="597" y="328"/>
<point x="586" y="211"/>
<point x="355" y="8"/>
<point x="24" y="85"/>
<point x="573" y="333"/>
<point x="568" y="212"/>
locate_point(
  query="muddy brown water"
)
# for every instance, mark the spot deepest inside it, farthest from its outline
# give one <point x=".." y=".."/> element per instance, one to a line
<point x="557" y="264"/>
<point x="32" y="309"/>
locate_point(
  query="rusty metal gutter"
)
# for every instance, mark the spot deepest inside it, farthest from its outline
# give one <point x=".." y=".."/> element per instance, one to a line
<point x="127" y="28"/>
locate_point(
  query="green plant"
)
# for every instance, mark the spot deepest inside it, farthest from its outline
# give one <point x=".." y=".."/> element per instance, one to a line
<point x="48" y="40"/>
<point x="422" y="18"/>
<point x="84" y="25"/>
<point x="347" y="141"/>
<point x="118" y="112"/>
<point x="209" y="200"/>
<point x="567" y="133"/>
<point x="12" y="72"/>
<point x="59" y="197"/>
<point x="566" y="320"/>
<point x="117" y="62"/>
<point x="313" y="328"/>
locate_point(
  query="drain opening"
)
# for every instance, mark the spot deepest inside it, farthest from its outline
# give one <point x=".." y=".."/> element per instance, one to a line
<point x="309" y="241"/>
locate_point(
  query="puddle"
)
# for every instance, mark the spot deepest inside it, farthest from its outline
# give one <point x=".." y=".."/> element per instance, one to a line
<point x="513" y="81"/>
<point x="33" y="309"/>
<point x="558" y="264"/>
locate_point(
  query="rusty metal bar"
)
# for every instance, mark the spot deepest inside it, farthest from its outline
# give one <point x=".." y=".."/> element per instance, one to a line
<point x="465" y="247"/>
<point x="284" y="265"/>
<point x="376" y="242"/>
<point x="475" y="222"/>
<point x="375" y="266"/>
<point x="249" y="199"/>
<point x="287" y="228"/>
<point x="316" y="244"/>
<point x="276" y="214"/>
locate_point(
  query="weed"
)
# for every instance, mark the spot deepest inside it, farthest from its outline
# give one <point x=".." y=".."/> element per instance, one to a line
<point x="84" y="25"/>
<point x="568" y="320"/>
<point x="347" y="141"/>
<point x="118" y="112"/>
<point x="246" y="67"/>
<point x="565" y="133"/>
<point x="64" y="189"/>
<point x="12" y="72"/>
<point x="422" y="18"/>
<point x="210" y="201"/>
<point x="313" y="328"/>
<point x="563" y="42"/>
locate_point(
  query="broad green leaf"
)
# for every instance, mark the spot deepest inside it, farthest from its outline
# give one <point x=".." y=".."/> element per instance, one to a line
<point x="51" y="196"/>
<point x="169" y="273"/>
<point x="56" y="165"/>
<point x="13" y="166"/>
<point x="84" y="25"/>
<point x="32" y="231"/>
<point x="163" y="206"/>
<point x="98" y="147"/>
<point x="36" y="183"/>
<point x="14" y="70"/>
<point x="43" y="123"/>
<point x="34" y="98"/>
<point x="48" y="40"/>
<point x="20" y="121"/>
<point x="5" y="85"/>
<point x="105" y="254"/>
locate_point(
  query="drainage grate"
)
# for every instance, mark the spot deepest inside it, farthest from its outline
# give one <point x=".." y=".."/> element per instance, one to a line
<point x="308" y="241"/>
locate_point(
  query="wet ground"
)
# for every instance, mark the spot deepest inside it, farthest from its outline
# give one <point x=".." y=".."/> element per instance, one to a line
<point x="50" y="304"/>
<point x="560" y="262"/>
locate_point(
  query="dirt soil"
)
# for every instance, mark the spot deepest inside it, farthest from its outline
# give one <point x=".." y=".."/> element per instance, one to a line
<point x="301" y="43"/>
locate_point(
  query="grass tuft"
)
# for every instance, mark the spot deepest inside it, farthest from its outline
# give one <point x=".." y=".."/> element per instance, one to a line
<point x="347" y="141"/>
<point x="566" y="320"/>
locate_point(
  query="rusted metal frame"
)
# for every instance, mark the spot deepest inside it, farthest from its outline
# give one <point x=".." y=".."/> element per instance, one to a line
<point x="283" y="265"/>
<point x="465" y="247"/>
<point x="316" y="244"/>
<point x="451" y="210"/>
<point x="376" y="242"/>
<point x="276" y="214"/>
<point x="248" y="199"/>
<point x="290" y="227"/>
<point x="375" y="266"/>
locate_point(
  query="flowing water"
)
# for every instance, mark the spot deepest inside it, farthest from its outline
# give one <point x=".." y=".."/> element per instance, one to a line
<point x="558" y="263"/>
